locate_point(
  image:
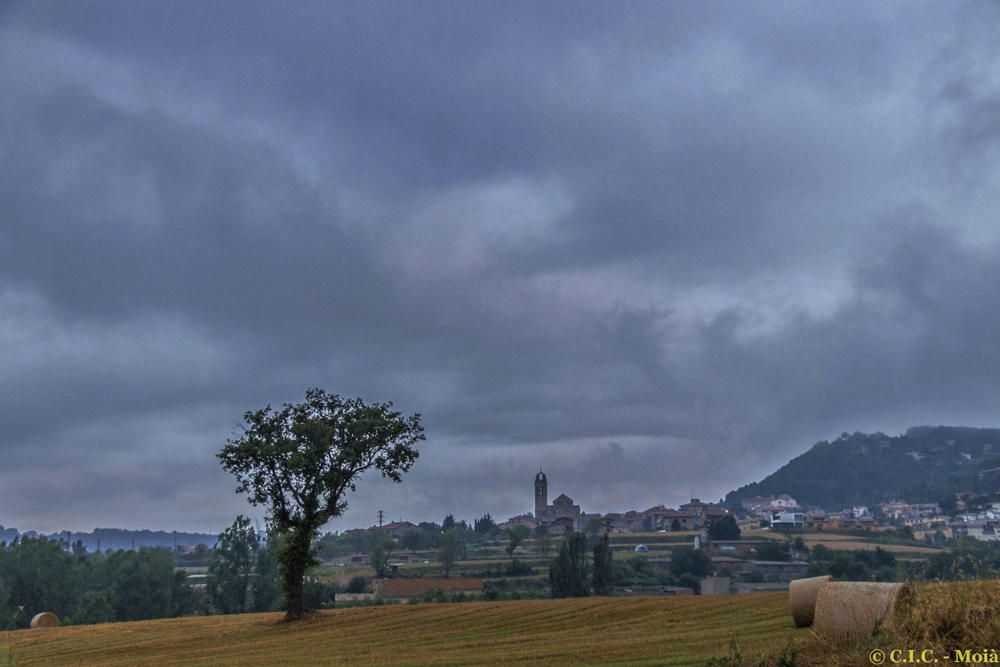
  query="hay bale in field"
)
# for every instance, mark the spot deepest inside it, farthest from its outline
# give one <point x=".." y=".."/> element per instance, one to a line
<point x="854" y="609"/>
<point x="802" y="597"/>
<point x="46" y="619"/>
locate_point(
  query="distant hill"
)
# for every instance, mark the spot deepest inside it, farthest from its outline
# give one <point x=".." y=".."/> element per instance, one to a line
<point x="119" y="538"/>
<point x="923" y="464"/>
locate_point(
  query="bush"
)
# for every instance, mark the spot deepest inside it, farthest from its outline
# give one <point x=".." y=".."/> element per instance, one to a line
<point x="688" y="580"/>
<point x="519" y="568"/>
<point x="319" y="595"/>
<point x="493" y="593"/>
<point x="357" y="585"/>
<point x="969" y="559"/>
<point x="724" y="528"/>
<point x="435" y="595"/>
<point x="686" y="560"/>
<point x="635" y="571"/>
<point x="774" y="550"/>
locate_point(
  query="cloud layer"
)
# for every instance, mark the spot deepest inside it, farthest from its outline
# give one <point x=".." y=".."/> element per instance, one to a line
<point x="656" y="250"/>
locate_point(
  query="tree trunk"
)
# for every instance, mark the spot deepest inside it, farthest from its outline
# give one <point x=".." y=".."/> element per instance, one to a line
<point x="295" y="599"/>
<point x="294" y="562"/>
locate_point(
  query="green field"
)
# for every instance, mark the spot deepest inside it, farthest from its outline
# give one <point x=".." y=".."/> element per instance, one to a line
<point x="634" y="631"/>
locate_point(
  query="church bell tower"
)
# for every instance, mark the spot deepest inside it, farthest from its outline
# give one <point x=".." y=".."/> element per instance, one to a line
<point x="541" y="495"/>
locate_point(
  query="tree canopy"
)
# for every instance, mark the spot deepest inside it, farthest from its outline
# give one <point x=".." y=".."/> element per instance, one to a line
<point x="724" y="528"/>
<point x="516" y="535"/>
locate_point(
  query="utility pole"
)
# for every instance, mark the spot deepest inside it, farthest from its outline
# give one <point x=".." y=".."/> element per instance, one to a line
<point x="380" y="513"/>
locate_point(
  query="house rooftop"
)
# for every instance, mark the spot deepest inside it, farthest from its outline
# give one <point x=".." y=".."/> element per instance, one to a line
<point x="779" y="562"/>
<point x="396" y="524"/>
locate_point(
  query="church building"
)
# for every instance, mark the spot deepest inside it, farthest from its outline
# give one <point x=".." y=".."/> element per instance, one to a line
<point x="561" y="509"/>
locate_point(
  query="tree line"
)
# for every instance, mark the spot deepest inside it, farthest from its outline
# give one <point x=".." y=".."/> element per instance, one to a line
<point x="39" y="575"/>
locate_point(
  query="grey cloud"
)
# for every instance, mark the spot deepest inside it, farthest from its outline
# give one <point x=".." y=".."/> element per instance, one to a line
<point x="709" y="237"/>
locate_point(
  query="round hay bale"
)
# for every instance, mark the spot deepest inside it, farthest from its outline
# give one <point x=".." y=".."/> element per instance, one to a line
<point x="853" y="610"/>
<point x="802" y="598"/>
<point x="45" y="620"/>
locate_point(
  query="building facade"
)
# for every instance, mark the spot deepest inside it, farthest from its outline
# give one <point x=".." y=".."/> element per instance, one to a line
<point x="562" y="510"/>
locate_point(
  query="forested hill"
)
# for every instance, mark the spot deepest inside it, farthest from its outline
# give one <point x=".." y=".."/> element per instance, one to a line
<point x="923" y="464"/>
<point x="119" y="538"/>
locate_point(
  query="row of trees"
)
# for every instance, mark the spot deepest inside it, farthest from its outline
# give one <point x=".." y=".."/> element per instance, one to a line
<point x="429" y="536"/>
<point x="573" y="574"/>
<point x="243" y="570"/>
<point x="80" y="587"/>
<point x="41" y="575"/>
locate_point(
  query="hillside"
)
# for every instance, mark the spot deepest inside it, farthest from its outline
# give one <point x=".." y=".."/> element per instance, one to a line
<point x="650" y="630"/>
<point x="118" y="538"/>
<point x="922" y="464"/>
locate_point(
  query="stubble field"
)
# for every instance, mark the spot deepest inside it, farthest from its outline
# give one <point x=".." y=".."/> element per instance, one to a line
<point x="634" y="631"/>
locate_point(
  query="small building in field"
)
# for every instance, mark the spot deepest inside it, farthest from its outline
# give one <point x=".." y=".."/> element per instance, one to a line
<point x="736" y="548"/>
<point x="678" y="520"/>
<point x="751" y="523"/>
<point x="395" y="530"/>
<point x="767" y="504"/>
<point x="744" y="588"/>
<point x="626" y="522"/>
<point x="561" y="526"/>
<point x="787" y="521"/>
<point x="716" y="586"/>
<point x="727" y="565"/>
<point x="702" y="513"/>
<point x="526" y="520"/>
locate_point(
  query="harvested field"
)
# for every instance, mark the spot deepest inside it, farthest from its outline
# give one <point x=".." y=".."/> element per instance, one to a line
<point x="635" y="631"/>
<point x="409" y="588"/>
<point x="851" y="545"/>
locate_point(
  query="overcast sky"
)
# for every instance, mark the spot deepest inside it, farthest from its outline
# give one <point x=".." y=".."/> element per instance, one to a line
<point x="655" y="249"/>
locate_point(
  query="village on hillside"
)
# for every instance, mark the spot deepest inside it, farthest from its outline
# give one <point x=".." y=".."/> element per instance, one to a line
<point x="760" y="545"/>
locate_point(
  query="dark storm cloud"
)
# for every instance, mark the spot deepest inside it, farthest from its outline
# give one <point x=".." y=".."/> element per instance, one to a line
<point x="656" y="251"/>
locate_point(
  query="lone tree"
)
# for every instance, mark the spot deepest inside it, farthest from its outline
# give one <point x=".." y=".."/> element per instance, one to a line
<point x="604" y="575"/>
<point x="450" y="549"/>
<point x="300" y="462"/>
<point x="516" y="536"/>
<point x="381" y="552"/>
